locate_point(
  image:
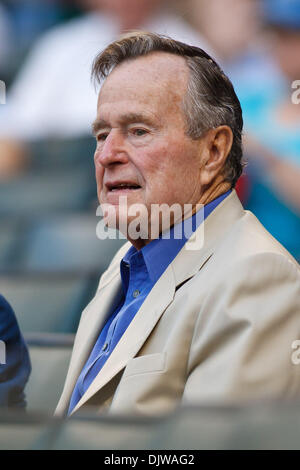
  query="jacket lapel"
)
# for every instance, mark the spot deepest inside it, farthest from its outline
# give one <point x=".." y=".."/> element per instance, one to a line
<point x="202" y="244"/>
<point x="91" y="323"/>
<point x="136" y="334"/>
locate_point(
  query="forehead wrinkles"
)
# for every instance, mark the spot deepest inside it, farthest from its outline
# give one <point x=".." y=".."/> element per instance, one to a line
<point x="158" y="77"/>
<point x="156" y="84"/>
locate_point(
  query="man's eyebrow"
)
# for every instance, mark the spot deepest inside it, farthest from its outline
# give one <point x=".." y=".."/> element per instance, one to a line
<point x="124" y="120"/>
<point x="99" y="124"/>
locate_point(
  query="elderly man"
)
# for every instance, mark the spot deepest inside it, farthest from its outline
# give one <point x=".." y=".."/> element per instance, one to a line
<point x="171" y="322"/>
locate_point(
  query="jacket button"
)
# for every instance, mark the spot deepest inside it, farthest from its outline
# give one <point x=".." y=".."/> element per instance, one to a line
<point x="136" y="293"/>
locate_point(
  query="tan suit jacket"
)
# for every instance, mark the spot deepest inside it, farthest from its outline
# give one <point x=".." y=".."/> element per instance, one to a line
<point x="217" y="327"/>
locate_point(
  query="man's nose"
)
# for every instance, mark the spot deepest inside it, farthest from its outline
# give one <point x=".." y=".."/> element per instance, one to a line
<point x="112" y="150"/>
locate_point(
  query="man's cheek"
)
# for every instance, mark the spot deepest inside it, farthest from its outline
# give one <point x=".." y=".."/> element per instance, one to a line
<point x="99" y="172"/>
<point x="99" y="180"/>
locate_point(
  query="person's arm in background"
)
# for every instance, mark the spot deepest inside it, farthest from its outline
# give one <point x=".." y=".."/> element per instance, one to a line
<point x="12" y="158"/>
<point x="15" y="372"/>
<point x="26" y="117"/>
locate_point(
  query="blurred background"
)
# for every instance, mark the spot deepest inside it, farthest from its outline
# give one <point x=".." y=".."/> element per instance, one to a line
<point x="50" y="258"/>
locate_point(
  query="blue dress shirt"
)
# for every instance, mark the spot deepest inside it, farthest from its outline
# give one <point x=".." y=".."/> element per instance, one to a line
<point x="140" y="270"/>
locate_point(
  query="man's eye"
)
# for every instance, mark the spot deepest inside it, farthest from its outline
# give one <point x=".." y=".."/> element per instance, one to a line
<point x="139" y="132"/>
<point x="101" y="137"/>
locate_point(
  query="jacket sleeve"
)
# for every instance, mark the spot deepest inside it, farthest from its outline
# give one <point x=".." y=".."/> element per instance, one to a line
<point x="15" y="364"/>
<point x="242" y="347"/>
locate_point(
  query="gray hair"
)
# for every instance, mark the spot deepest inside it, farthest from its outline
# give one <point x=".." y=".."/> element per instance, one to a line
<point x="210" y="100"/>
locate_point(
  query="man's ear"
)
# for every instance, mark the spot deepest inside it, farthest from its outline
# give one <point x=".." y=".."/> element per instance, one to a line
<point x="217" y="143"/>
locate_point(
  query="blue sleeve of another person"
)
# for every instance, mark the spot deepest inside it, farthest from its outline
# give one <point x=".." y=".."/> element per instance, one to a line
<point x="15" y="364"/>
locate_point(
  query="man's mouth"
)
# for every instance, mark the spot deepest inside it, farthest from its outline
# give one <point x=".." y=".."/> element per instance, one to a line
<point x="114" y="187"/>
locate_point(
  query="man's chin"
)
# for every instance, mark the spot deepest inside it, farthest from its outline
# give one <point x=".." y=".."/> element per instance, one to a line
<point x="132" y="228"/>
<point x="126" y="197"/>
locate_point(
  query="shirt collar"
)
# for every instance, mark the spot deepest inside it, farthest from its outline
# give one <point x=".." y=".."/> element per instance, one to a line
<point x="159" y="253"/>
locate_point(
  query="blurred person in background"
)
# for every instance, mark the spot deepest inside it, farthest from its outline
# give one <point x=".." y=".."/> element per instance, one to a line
<point x="233" y="28"/>
<point x="53" y="95"/>
<point x="272" y="122"/>
<point x="262" y="64"/>
<point x="21" y="24"/>
<point x="14" y="359"/>
<point x="30" y="18"/>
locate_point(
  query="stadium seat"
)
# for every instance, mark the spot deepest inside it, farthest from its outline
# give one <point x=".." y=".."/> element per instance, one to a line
<point x="50" y="356"/>
<point x="27" y="431"/>
<point x="48" y="303"/>
<point x="68" y="243"/>
<point x="11" y="240"/>
<point x="260" y="426"/>
<point x="46" y="192"/>
<point x="256" y="426"/>
<point x="63" y="153"/>
<point x="269" y="425"/>
<point x="91" y="432"/>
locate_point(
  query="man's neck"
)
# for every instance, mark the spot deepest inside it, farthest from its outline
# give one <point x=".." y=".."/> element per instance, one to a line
<point x="215" y="190"/>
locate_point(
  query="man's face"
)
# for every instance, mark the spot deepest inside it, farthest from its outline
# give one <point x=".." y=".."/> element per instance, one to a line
<point x="141" y="139"/>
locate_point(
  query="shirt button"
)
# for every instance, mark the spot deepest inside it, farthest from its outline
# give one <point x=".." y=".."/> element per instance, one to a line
<point x="136" y="293"/>
<point x="104" y="348"/>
